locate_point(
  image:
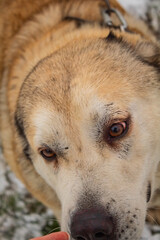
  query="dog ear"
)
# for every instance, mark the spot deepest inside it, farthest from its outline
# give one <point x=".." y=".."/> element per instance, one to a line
<point x="149" y="53"/>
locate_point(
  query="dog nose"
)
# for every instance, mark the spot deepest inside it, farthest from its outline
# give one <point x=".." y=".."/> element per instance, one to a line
<point x="92" y="225"/>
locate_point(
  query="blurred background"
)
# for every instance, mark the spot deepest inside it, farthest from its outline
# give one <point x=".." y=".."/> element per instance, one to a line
<point x="21" y="216"/>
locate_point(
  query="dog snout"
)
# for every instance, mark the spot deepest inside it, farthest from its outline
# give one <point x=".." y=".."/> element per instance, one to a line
<point x="92" y="225"/>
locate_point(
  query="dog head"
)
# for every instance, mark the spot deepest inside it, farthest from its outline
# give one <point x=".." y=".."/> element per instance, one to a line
<point x="89" y="114"/>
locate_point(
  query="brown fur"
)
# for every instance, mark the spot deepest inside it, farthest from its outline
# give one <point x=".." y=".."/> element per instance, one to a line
<point x="32" y="31"/>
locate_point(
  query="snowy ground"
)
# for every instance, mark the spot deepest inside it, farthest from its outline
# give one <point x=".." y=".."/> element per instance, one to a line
<point x="148" y="10"/>
<point x="21" y="216"/>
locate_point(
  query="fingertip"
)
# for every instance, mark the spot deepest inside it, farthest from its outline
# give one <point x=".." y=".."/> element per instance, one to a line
<point x="66" y="235"/>
<point x="54" y="236"/>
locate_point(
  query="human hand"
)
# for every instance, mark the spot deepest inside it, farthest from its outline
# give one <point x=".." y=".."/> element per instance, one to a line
<point x="54" y="236"/>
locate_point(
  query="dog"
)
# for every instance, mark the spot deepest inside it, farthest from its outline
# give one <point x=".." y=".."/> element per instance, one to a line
<point x="80" y="115"/>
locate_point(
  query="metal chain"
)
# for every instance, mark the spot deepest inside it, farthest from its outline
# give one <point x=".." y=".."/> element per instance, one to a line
<point x="106" y="13"/>
<point x="108" y="4"/>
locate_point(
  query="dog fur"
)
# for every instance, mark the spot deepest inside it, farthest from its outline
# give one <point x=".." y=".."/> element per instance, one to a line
<point x="63" y="82"/>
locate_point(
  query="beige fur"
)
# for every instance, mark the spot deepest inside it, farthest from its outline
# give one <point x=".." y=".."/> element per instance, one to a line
<point x="60" y="80"/>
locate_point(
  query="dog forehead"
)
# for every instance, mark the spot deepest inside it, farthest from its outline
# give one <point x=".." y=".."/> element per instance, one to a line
<point x="82" y="101"/>
<point x="81" y="109"/>
<point x="79" y="103"/>
<point x="90" y="59"/>
<point x="82" y="78"/>
<point x="96" y="66"/>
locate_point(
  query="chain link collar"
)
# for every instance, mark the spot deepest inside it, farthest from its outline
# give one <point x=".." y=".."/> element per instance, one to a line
<point x="107" y="18"/>
<point x="107" y="14"/>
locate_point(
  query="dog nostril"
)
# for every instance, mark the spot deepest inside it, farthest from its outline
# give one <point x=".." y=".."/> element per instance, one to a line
<point x="100" y="235"/>
<point x="80" y="238"/>
<point x="92" y="224"/>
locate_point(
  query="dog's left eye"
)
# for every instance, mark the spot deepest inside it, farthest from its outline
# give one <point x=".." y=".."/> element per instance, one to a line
<point x="117" y="129"/>
<point x="47" y="154"/>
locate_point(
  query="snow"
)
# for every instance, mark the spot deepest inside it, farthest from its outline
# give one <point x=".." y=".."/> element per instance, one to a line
<point x="147" y="233"/>
<point x="137" y="8"/>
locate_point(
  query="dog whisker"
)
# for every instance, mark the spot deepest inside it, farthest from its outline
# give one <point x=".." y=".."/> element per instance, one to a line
<point x="55" y="219"/>
<point x="54" y="229"/>
<point x="154" y="220"/>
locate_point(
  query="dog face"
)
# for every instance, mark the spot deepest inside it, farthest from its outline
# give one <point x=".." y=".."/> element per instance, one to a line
<point x="89" y="114"/>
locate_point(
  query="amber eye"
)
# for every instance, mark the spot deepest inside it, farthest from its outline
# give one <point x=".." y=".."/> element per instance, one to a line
<point x="117" y="129"/>
<point x="47" y="153"/>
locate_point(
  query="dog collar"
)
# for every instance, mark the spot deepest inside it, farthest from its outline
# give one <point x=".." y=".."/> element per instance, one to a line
<point x="107" y="14"/>
<point x="107" y="17"/>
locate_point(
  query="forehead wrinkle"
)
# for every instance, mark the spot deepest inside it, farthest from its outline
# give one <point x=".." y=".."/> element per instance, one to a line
<point x="51" y="83"/>
<point x="53" y="128"/>
<point x="46" y="124"/>
<point x="88" y="103"/>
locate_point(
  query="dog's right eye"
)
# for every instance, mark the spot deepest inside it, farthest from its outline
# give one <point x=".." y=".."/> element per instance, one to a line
<point x="47" y="154"/>
<point x="117" y="129"/>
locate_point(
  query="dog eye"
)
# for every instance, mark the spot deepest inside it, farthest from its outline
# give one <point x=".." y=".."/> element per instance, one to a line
<point x="117" y="129"/>
<point x="47" y="153"/>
